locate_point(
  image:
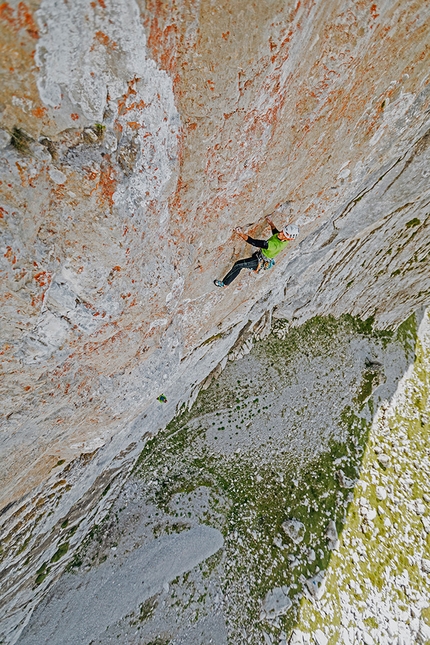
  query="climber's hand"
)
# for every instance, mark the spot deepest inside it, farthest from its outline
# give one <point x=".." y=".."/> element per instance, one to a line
<point x="241" y="234"/>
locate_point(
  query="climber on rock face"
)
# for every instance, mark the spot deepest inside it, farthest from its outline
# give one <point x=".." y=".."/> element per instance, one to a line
<point x="264" y="257"/>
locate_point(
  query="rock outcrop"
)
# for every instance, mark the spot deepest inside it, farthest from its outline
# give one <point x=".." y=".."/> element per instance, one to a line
<point x="257" y="461"/>
<point x="134" y="138"/>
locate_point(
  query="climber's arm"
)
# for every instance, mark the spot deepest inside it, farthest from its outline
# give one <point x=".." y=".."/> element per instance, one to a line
<point x="261" y="244"/>
<point x="271" y="224"/>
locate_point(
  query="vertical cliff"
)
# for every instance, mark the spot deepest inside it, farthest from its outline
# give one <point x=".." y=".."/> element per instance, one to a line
<point x="134" y="137"/>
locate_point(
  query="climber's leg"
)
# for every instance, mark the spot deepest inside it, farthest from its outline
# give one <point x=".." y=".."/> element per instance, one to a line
<point x="246" y="263"/>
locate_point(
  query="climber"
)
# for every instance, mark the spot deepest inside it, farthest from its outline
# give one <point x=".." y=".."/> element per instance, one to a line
<point x="264" y="257"/>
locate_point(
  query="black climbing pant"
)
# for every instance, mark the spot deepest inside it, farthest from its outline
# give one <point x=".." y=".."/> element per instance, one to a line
<point x="246" y="263"/>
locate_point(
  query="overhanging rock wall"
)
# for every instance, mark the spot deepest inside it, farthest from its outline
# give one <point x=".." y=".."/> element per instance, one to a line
<point x="134" y="138"/>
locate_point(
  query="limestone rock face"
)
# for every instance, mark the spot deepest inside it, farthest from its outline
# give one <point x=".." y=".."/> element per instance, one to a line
<point x="134" y="138"/>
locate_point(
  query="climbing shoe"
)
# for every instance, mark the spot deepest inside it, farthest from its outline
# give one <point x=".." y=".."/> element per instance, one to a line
<point x="219" y="283"/>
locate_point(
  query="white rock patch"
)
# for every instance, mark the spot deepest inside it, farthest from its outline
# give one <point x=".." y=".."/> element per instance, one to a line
<point x="57" y="176"/>
<point x="295" y="530"/>
<point x="276" y="602"/>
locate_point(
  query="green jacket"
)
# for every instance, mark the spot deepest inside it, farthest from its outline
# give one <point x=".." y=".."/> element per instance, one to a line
<point x="275" y="246"/>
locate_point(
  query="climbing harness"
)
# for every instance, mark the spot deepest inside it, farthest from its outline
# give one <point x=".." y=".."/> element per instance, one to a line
<point x="263" y="262"/>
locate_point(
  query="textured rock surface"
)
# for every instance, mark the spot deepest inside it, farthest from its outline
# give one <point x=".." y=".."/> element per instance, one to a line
<point x="377" y="590"/>
<point x="109" y="593"/>
<point x="134" y="137"/>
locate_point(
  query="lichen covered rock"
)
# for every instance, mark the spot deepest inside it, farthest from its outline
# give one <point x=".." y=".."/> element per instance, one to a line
<point x="133" y="138"/>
